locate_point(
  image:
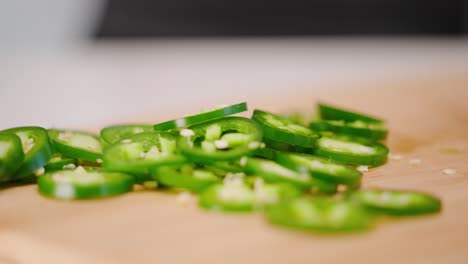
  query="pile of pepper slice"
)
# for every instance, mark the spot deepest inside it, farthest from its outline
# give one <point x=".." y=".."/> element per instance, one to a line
<point x="300" y="174"/>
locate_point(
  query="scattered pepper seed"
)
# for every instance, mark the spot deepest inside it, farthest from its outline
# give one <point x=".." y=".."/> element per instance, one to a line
<point x="395" y="156"/>
<point x="254" y="145"/>
<point x="187" y="132"/>
<point x="449" y="171"/>
<point x="70" y="166"/>
<point x="39" y="171"/>
<point x="80" y="169"/>
<point x="363" y="168"/>
<point x="184" y="198"/>
<point x="243" y="161"/>
<point x="221" y="144"/>
<point x="414" y="162"/>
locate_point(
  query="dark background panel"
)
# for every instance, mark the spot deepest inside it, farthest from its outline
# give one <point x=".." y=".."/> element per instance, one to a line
<point x="163" y="18"/>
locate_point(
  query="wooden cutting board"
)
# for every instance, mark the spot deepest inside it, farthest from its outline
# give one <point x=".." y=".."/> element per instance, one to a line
<point x="428" y="120"/>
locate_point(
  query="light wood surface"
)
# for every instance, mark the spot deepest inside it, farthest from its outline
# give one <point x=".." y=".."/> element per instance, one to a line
<point x="428" y="120"/>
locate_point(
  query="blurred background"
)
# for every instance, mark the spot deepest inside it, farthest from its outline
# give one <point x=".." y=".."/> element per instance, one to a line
<point x="89" y="63"/>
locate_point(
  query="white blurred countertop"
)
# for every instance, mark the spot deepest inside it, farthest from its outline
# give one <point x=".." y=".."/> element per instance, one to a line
<point x="103" y="83"/>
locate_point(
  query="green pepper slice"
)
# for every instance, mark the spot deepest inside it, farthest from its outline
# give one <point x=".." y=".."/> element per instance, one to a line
<point x="303" y="119"/>
<point x="60" y="162"/>
<point x="319" y="214"/>
<point x="224" y="139"/>
<point x="269" y="193"/>
<point x="328" y="112"/>
<point x="395" y="202"/>
<point x="185" y="176"/>
<point x="271" y="171"/>
<point x="237" y="196"/>
<point x="358" y="128"/>
<point x="84" y="183"/>
<point x="232" y="197"/>
<point x="280" y="129"/>
<point x="202" y="117"/>
<point x="36" y="147"/>
<point x="320" y="168"/>
<point x="224" y="167"/>
<point x="76" y="144"/>
<point x="139" y="153"/>
<point x="112" y="134"/>
<point x="271" y="144"/>
<point x="11" y="156"/>
<point x="351" y="150"/>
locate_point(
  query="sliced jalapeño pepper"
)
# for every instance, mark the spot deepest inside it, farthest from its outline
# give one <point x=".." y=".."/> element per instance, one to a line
<point x="271" y="171"/>
<point x="186" y="176"/>
<point x="139" y="153"/>
<point x="351" y="150"/>
<point x="394" y="202"/>
<point x="228" y="197"/>
<point x="328" y="112"/>
<point x="84" y="183"/>
<point x="358" y="128"/>
<point x="11" y="156"/>
<point x="224" y="139"/>
<point x="112" y="134"/>
<point x="236" y="195"/>
<point x="268" y="194"/>
<point x="36" y="147"/>
<point x="201" y="117"/>
<point x="320" y="214"/>
<point x="271" y="144"/>
<point x="302" y="119"/>
<point x="78" y="145"/>
<point x="283" y="130"/>
<point x="224" y="167"/>
<point x="320" y="168"/>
